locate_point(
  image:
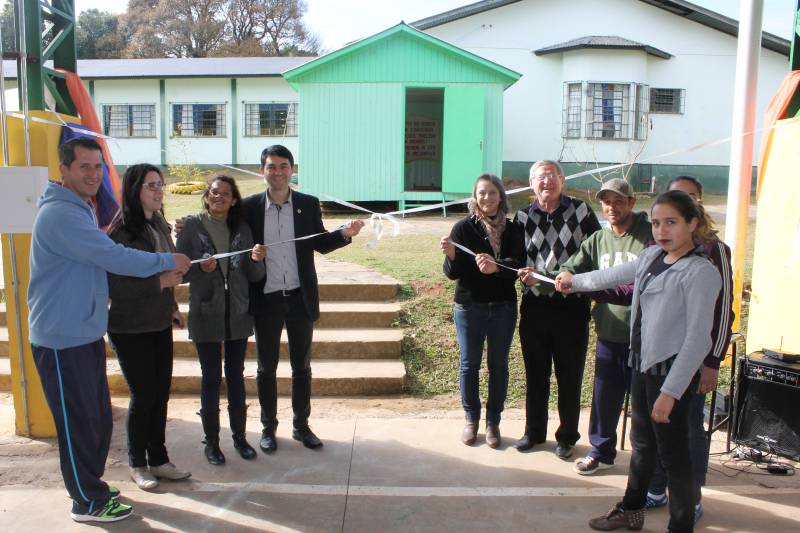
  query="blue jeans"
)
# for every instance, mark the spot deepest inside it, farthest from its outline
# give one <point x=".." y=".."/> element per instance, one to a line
<point x="612" y="379"/>
<point x="493" y="323"/>
<point x="698" y="448"/>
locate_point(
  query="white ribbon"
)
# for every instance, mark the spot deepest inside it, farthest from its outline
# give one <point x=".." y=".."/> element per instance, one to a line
<point x="231" y="254"/>
<point x="375" y="220"/>
<point x="76" y="129"/>
<point x="240" y="170"/>
<point x="534" y="275"/>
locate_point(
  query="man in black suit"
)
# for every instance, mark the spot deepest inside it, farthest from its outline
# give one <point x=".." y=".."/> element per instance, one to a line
<point x="289" y="294"/>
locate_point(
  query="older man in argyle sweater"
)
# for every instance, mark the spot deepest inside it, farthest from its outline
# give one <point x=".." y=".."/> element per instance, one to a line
<point x="553" y="328"/>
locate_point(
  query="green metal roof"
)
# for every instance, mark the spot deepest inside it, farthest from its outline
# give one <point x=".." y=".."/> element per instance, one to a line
<point x="492" y="71"/>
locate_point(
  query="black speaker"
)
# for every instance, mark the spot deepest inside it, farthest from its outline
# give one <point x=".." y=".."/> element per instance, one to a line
<point x="768" y="406"/>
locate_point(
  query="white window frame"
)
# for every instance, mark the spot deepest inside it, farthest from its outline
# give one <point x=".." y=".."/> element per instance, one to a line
<point x="252" y="122"/>
<point x="618" y="122"/>
<point x="656" y="107"/>
<point x="120" y="120"/>
<point x="187" y="129"/>
<point x="572" y="111"/>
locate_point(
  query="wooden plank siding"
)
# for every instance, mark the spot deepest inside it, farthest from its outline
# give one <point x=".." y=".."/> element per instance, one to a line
<point x="352" y="111"/>
<point x="351" y="137"/>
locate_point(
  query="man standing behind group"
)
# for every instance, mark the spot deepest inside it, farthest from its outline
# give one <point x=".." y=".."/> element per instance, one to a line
<point x="627" y="235"/>
<point x="553" y="328"/>
<point x="68" y="316"/>
<point x="289" y="295"/>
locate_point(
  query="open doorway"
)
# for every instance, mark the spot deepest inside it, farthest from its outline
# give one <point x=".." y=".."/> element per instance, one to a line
<point x="423" y="139"/>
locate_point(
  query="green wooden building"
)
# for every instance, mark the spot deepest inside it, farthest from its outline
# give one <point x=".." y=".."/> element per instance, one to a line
<point x="400" y="116"/>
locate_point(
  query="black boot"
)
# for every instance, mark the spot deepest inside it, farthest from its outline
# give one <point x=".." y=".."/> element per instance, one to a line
<point x="211" y="429"/>
<point x="238" y="420"/>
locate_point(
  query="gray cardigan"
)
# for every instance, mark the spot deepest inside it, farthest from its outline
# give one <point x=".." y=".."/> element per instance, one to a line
<point x="677" y="311"/>
<point x="207" y="299"/>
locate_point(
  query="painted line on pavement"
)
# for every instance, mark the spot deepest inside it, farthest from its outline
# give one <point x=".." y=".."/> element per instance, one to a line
<point x="465" y="492"/>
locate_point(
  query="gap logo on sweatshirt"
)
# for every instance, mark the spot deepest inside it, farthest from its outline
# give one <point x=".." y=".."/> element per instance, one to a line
<point x="619" y="258"/>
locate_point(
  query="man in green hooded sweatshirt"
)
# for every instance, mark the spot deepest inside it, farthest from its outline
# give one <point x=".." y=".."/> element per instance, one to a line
<point x="625" y="237"/>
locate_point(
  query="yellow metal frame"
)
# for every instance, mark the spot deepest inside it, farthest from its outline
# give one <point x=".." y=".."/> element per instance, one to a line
<point x="44" y="143"/>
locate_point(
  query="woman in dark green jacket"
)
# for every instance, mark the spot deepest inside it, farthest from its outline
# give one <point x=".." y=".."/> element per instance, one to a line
<point x="218" y="304"/>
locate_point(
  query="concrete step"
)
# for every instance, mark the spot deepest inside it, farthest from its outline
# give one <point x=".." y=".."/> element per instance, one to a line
<point x="347" y="377"/>
<point x="336" y="343"/>
<point x="332" y="314"/>
<point x="377" y="291"/>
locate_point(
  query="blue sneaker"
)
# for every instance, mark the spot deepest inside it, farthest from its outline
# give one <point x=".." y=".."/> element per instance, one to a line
<point x="654" y="501"/>
<point x="698" y="512"/>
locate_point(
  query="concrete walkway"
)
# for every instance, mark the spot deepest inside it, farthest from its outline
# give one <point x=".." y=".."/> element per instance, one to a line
<point x="391" y="464"/>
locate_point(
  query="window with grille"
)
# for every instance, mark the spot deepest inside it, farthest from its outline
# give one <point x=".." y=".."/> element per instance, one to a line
<point x="571" y="120"/>
<point x="608" y="110"/>
<point x="129" y="120"/>
<point x="198" y="120"/>
<point x="641" y="116"/>
<point x="667" y="100"/>
<point x="270" y="120"/>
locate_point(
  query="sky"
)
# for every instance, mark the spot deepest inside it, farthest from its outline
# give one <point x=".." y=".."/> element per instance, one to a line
<point x="338" y="22"/>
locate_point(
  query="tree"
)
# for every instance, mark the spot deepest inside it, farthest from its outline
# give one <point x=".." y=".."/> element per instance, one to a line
<point x="7" y="27"/>
<point x="243" y="21"/>
<point x="203" y="28"/>
<point x="284" y="32"/>
<point x="97" y="36"/>
<point x="191" y="28"/>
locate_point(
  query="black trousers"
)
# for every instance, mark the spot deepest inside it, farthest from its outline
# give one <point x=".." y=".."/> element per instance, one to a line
<point x="289" y="311"/>
<point x="669" y="443"/>
<point x="76" y="388"/>
<point x="553" y="335"/>
<point x="146" y="362"/>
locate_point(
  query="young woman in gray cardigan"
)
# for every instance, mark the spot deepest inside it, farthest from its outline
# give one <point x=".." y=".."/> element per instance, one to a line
<point x="218" y="307"/>
<point x="675" y="291"/>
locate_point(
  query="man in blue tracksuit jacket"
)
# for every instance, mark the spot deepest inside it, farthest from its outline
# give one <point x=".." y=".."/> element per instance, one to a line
<point x="68" y="316"/>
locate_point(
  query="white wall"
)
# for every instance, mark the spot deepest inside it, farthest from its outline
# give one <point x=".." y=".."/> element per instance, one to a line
<point x="703" y="64"/>
<point x="263" y="90"/>
<point x="128" y="151"/>
<point x="197" y="150"/>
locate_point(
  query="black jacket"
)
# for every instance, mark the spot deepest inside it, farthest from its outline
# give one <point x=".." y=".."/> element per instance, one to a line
<point x="471" y="284"/>
<point x="307" y="221"/>
<point x="139" y="305"/>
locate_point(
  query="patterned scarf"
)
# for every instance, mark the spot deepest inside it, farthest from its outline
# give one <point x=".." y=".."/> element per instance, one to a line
<point x="494" y="227"/>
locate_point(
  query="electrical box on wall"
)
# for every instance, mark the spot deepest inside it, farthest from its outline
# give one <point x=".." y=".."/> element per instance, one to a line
<point x="21" y="188"/>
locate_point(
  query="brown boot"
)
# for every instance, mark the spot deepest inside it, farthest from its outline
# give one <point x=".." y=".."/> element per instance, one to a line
<point x="470" y="433"/>
<point x="493" y="435"/>
<point x="618" y="518"/>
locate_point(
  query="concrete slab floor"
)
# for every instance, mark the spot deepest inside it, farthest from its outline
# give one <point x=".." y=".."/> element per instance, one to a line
<point x="388" y="464"/>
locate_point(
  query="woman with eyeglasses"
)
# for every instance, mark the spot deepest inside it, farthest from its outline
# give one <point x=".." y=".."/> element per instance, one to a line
<point x="218" y="307"/>
<point x="140" y="320"/>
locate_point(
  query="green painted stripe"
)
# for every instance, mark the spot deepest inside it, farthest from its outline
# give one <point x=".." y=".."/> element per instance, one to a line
<point x="162" y="89"/>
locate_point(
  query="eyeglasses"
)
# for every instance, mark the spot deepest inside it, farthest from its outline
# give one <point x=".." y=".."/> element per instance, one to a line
<point x="549" y="175"/>
<point x="155" y="186"/>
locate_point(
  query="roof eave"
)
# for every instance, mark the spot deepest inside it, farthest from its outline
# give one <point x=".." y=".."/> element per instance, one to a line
<point x="644" y="48"/>
<point x="292" y="75"/>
